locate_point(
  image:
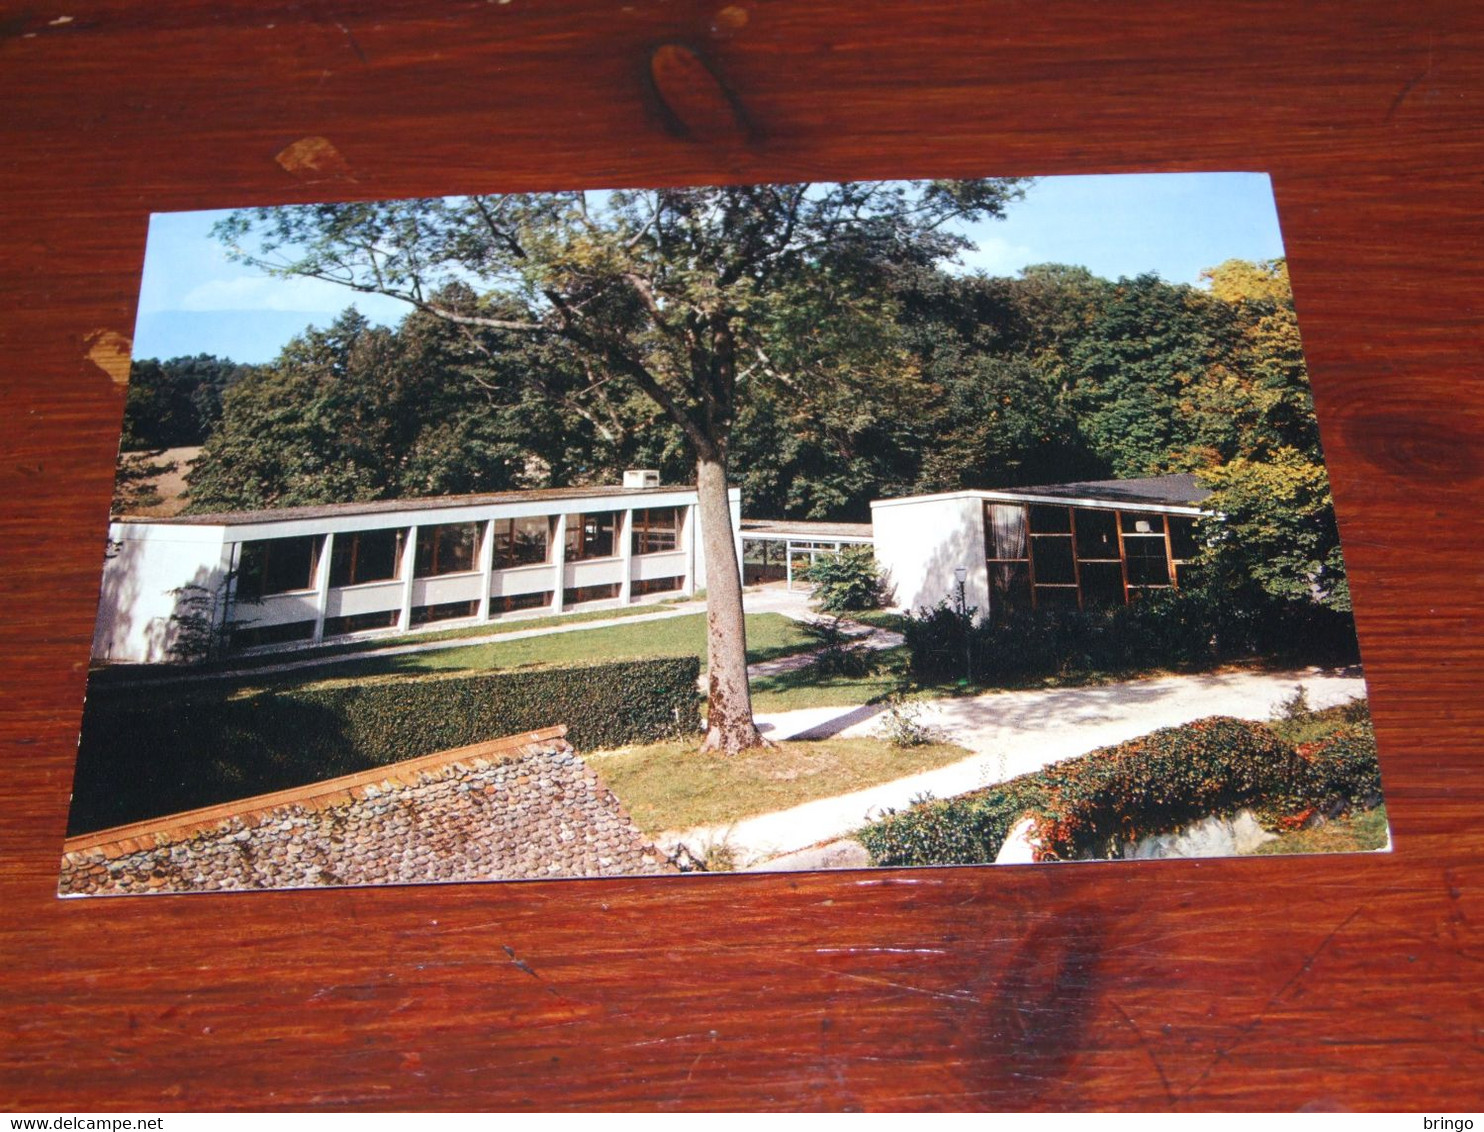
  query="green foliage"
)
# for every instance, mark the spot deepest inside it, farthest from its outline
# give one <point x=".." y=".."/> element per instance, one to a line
<point x="1276" y="528"/>
<point x="1193" y="627"/>
<point x="847" y="581"/>
<point x="356" y="412"/>
<point x="1090" y="806"/>
<point x="1343" y="770"/>
<point x="175" y="403"/>
<point x="147" y="753"/>
<point x="901" y="723"/>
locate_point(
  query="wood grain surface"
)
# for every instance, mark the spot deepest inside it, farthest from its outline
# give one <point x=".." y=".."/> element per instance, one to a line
<point x="1347" y="982"/>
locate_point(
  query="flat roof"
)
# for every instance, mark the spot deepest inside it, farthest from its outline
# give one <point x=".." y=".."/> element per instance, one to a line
<point x="1179" y="492"/>
<point x="391" y="506"/>
<point x="805" y="529"/>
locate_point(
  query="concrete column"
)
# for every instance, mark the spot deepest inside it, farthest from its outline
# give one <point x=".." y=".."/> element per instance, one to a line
<point x="559" y="561"/>
<point x="322" y="588"/>
<point x="688" y="544"/>
<point x="408" y="565"/>
<point x="788" y="562"/>
<point x="625" y="535"/>
<point x="486" y="568"/>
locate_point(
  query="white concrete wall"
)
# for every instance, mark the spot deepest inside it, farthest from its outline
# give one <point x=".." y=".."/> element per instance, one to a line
<point x="919" y="542"/>
<point x="140" y="605"/>
<point x="735" y="496"/>
<point x="157" y="559"/>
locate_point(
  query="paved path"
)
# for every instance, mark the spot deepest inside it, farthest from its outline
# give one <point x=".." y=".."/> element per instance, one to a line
<point x="1010" y="733"/>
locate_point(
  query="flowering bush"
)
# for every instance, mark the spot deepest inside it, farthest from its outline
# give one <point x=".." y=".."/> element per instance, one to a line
<point x="1089" y="806"/>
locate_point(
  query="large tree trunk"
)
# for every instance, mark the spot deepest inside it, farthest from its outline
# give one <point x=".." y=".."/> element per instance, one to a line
<point x="729" y="725"/>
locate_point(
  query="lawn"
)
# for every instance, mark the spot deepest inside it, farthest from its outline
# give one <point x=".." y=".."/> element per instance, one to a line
<point x="674" y="786"/>
<point x="1353" y="833"/>
<point x="808" y="687"/>
<point x="769" y="635"/>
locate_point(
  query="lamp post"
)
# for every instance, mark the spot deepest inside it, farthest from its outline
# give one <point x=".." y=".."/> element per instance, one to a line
<point x="961" y="575"/>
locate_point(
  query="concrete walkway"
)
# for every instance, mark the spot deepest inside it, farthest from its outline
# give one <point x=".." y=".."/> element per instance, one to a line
<point x="1010" y="733"/>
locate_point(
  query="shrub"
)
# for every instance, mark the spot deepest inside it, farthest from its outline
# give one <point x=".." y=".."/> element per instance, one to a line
<point x="838" y="653"/>
<point x="143" y="754"/>
<point x="902" y="726"/>
<point x="1343" y="771"/>
<point x="847" y="581"/>
<point x="1090" y="805"/>
<point x="1164" y="780"/>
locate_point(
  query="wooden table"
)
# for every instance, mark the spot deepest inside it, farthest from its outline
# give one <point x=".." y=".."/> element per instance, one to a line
<point x="1340" y="982"/>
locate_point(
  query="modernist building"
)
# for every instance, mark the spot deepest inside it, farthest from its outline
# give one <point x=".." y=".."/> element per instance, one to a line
<point x="1070" y="545"/>
<point x="304" y="575"/>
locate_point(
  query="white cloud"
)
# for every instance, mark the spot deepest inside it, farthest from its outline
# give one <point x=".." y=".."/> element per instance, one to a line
<point x="996" y="255"/>
<point x="258" y="293"/>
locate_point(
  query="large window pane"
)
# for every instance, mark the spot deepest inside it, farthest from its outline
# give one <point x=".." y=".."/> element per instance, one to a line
<point x="366" y="556"/>
<point x="1053" y="561"/>
<point x="447" y="548"/>
<point x="1135" y="523"/>
<point x="1004" y="530"/>
<point x="277" y="566"/>
<point x="1097" y="534"/>
<point x="521" y="542"/>
<point x="1009" y="587"/>
<point x="656" y="530"/>
<point x="591" y="535"/>
<point x="1147" y="564"/>
<point x="1183" y="539"/>
<point x="1046" y="519"/>
<point x="1102" y="584"/>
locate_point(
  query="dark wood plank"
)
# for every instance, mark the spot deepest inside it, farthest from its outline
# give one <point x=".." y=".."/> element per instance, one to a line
<point x="1348" y="982"/>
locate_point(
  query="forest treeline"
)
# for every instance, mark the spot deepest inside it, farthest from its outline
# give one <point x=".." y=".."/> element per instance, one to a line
<point x="948" y="381"/>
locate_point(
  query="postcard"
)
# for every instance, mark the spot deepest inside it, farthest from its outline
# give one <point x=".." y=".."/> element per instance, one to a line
<point x="719" y="529"/>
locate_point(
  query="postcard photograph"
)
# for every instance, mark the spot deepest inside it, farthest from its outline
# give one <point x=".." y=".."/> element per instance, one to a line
<point x="719" y="529"/>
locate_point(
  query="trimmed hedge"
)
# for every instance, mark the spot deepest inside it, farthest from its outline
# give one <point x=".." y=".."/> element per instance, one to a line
<point x="144" y="753"/>
<point x="1183" y="628"/>
<point x="1154" y="784"/>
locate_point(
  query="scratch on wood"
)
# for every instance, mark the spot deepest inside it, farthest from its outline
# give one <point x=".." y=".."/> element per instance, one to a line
<point x="1148" y="1051"/>
<point x="1246" y="1031"/>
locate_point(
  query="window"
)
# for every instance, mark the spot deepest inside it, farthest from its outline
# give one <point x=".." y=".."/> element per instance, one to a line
<point x="656" y="586"/>
<point x="591" y="536"/>
<point x="1145" y="553"/>
<point x="366" y="556"/>
<point x="278" y="566"/>
<point x="511" y="603"/>
<point x="656" y="530"/>
<point x="1097" y="535"/>
<point x="361" y="623"/>
<point x="247" y="636"/>
<point x="444" y="611"/>
<point x="580" y="594"/>
<point x="447" y="548"/>
<point x="522" y="542"/>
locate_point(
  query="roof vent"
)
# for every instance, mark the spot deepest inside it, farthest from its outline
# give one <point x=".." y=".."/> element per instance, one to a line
<point x="641" y="477"/>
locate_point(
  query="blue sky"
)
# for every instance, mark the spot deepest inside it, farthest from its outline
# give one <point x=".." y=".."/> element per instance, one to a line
<point x="193" y="300"/>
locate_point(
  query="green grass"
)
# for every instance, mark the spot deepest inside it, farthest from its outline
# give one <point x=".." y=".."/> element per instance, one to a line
<point x="673" y="786"/>
<point x="333" y="653"/>
<point x="1353" y="833"/>
<point x="807" y="688"/>
<point x="769" y="635"/>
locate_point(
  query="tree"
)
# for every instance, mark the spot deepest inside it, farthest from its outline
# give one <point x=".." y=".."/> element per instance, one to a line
<point x="670" y="293"/>
<point x="1275" y="525"/>
<point x="176" y="402"/>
